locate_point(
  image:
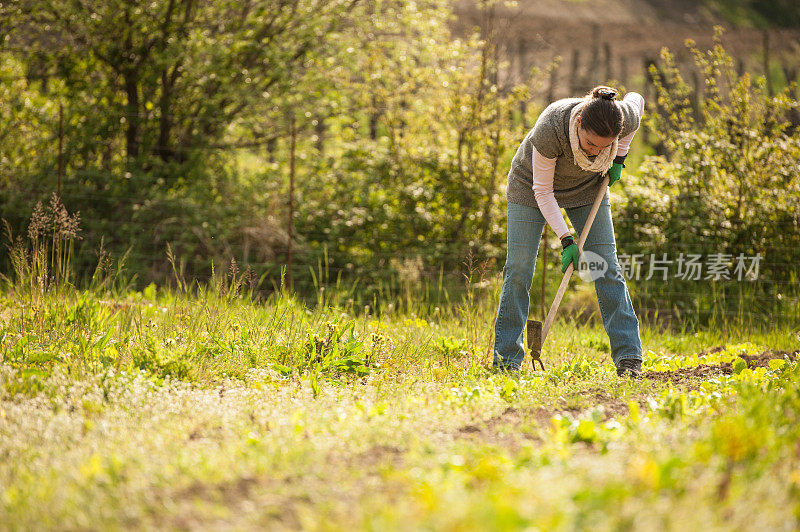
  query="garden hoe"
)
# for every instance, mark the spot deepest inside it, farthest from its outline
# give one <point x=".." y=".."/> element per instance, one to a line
<point x="536" y="333"/>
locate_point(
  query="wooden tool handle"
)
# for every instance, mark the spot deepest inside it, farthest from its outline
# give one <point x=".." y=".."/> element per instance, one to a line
<point x="551" y="314"/>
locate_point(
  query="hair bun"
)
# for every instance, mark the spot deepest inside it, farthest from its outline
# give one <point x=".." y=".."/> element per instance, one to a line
<point x="606" y="93"/>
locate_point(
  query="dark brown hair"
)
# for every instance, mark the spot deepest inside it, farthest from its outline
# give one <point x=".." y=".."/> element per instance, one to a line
<point x="601" y="114"/>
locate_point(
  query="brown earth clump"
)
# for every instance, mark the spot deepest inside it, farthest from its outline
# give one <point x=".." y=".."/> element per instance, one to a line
<point x="704" y="371"/>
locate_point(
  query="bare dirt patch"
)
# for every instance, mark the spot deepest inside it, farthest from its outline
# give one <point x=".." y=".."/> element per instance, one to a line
<point x="763" y="359"/>
<point x="700" y="372"/>
<point x="514" y="426"/>
<point x="612" y="405"/>
<point x="507" y="429"/>
<point x="378" y="455"/>
<point x="705" y="371"/>
<point x="227" y="501"/>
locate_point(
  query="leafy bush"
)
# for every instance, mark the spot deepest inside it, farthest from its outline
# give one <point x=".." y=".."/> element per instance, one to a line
<point x="729" y="183"/>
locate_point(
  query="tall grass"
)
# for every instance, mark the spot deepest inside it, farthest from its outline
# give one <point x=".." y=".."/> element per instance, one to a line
<point x="42" y="262"/>
<point x="227" y="327"/>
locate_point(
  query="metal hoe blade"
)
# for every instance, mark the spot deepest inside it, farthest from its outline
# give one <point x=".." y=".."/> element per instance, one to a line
<point x="534" y="334"/>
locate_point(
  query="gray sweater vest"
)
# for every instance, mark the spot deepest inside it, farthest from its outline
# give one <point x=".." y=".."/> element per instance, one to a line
<point x="572" y="185"/>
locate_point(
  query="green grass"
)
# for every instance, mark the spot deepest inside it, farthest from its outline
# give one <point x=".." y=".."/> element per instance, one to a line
<point x="171" y="410"/>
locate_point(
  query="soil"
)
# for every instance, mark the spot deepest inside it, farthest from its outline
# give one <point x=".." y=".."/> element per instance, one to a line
<point x="613" y="406"/>
<point x="704" y="371"/>
<point x="515" y="425"/>
<point x="504" y="430"/>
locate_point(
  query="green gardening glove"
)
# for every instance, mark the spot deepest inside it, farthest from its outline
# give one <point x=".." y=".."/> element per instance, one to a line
<point x="569" y="254"/>
<point x="614" y="173"/>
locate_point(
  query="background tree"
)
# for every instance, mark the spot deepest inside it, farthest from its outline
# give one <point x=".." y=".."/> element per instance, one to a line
<point x="172" y="75"/>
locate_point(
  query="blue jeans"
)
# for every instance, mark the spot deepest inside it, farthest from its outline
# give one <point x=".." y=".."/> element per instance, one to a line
<point x="525" y="226"/>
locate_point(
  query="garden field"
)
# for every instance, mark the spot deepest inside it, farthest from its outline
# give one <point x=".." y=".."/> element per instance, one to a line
<point x="251" y="254"/>
<point x="164" y="409"/>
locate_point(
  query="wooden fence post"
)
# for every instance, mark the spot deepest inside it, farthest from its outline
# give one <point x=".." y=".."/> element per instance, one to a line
<point x="770" y="91"/>
<point x="551" y="87"/>
<point x="60" y="145"/>
<point x="594" y="61"/>
<point x="696" y="97"/>
<point x="573" y="75"/>
<point x="789" y="72"/>
<point x="289" y="281"/>
<point x="522" y="52"/>
<point x="646" y="92"/>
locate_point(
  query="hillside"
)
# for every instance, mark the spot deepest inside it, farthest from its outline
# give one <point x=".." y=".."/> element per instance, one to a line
<point x="617" y="37"/>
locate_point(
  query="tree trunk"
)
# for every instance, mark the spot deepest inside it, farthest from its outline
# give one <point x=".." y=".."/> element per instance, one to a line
<point x="163" y="148"/>
<point x="319" y="130"/>
<point x="133" y="120"/>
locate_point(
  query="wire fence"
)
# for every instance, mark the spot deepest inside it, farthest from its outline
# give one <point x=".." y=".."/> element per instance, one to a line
<point x="662" y="276"/>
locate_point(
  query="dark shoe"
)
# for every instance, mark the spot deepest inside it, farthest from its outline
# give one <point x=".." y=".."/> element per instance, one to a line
<point x="630" y="367"/>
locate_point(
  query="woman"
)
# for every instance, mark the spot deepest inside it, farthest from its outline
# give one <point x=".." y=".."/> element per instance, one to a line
<point x="560" y="163"/>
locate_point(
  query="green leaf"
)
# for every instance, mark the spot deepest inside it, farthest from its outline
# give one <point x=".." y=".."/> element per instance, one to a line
<point x="150" y="292"/>
<point x="777" y="363"/>
<point x="283" y="370"/>
<point x="586" y="431"/>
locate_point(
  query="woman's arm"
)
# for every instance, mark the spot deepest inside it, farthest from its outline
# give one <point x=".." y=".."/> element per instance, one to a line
<point x="625" y="142"/>
<point x="543" y="171"/>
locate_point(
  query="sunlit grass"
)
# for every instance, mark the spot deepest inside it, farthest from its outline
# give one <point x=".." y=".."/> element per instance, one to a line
<point x="167" y="409"/>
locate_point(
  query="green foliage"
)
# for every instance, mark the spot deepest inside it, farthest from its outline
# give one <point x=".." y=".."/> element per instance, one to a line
<point x="450" y="347"/>
<point x="24" y="113"/>
<point x="758" y="13"/>
<point x="161" y="362"/>
<point x="170" y="75"/>
<point x="152" y="118"/>
<point x="428" y="191"/>
<point x="729" y="182"/>
<point x="177" y="124"/>
<point x="730" y="173"/>
<point x="340" y="351"/>
<point x="578" y="367"/>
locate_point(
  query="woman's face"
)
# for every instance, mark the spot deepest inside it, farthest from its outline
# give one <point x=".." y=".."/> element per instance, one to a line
<point x="590" y="143"/>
